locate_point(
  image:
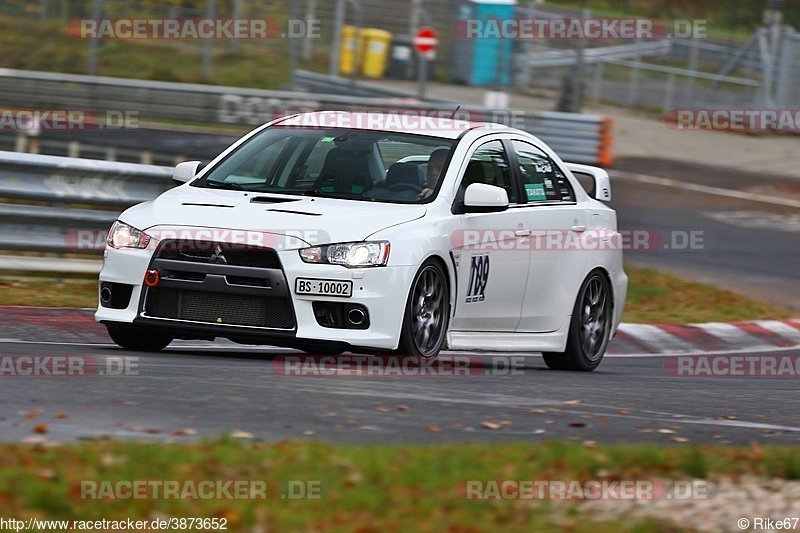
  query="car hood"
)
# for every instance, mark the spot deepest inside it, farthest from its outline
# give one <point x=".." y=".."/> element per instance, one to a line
<point x="302" y="220"/>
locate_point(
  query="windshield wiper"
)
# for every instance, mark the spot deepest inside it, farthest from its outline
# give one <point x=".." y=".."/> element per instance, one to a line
<point x="225" y="185"/>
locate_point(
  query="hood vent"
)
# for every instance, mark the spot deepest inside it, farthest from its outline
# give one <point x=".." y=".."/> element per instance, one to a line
<point x="206" y="205"/>
<point x="270" y="200"/>
<point x="295" y="212"/>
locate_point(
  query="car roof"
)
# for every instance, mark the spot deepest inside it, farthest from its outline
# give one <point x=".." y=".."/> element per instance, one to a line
<point x="411" y="121"/>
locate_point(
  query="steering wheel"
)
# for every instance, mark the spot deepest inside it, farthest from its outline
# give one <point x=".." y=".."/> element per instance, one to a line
<point x="401" y="187"/>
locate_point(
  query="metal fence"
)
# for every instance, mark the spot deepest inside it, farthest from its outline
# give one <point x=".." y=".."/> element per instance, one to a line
<point x="760" y="72"/>
<point x="676" y="71"/>
<point x="82" y="200"/>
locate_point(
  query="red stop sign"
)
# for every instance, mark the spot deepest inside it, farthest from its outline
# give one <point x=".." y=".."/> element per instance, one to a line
<point x="426" y="40"/>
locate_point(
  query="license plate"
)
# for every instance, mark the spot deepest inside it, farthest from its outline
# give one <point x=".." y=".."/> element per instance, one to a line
<point x="324" y="287"/>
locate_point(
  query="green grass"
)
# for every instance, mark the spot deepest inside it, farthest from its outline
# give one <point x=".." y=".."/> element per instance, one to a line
<point x="656" y="297"/>
<point x="653" y="297"/>
<point x="36" y="45"/>
<point x="47" y="291"/>
<point x="364" y="488"/>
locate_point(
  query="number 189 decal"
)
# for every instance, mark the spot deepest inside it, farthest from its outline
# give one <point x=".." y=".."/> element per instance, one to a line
<point x="478" y="278"/>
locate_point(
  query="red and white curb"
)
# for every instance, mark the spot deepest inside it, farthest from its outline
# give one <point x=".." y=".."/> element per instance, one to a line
<point x="710" y="337"/>
<point x="77" y="326"/>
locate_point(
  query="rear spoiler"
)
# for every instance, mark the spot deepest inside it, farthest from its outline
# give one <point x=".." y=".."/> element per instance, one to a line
<point x="602" y="183"/>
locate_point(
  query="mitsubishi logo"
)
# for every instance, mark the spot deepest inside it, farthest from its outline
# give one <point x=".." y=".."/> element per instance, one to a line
<point x="217" y="256"/>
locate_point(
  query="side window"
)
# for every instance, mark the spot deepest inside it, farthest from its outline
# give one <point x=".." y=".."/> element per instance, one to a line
<point x="542" y="180"/>
<point x="489" y="164"/>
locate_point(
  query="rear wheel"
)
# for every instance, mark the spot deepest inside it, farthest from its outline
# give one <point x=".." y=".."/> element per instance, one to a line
<point x="139" y="339"/>
<point x="589" y="329"/>
<point x="427" y="313"/>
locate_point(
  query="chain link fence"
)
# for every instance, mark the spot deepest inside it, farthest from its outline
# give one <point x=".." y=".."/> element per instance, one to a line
<point x="733" y="69"/>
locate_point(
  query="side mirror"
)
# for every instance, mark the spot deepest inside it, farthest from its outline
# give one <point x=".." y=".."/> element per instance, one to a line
<point x="484" y="198"/>
<point x="602" y="183"/>
<point x="185" y="171"/>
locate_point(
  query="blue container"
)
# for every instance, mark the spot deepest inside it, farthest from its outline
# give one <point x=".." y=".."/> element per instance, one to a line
<point x="483" y="61"/>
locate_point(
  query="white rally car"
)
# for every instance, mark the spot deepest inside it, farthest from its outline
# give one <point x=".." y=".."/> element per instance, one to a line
<point x="322" y="231"/>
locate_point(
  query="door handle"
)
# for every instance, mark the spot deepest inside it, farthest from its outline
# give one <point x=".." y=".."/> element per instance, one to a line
<point x="522" y="233"/>
<point x="578" y="229"/>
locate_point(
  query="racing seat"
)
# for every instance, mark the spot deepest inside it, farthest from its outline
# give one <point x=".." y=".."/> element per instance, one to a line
<point x="344" y="171"/>
<point x="404" y="174"/>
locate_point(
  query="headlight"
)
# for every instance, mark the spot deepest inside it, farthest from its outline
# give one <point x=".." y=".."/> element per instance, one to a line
<point x="349" y="254"/>
<point x="122" y="235"/>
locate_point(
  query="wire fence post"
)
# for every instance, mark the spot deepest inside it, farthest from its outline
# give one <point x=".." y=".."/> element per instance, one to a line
<point x="694" y="50"/>
<point x="597" y="88"/>
<point x="336" y="44"/>
<point x="311" y="14"/>
<point x="669" y="93"/>
<point x="94" y="43"/>
<point x="208" y="46"/>
<point x="785" y="68"/>
<point x="293" y="51"/>
<point x="633" y="87"/>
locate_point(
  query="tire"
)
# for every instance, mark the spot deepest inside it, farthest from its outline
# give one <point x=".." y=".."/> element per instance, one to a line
<point x="138" y="339"/>
<point x="427" y="309"/>
<point x="589" y="328"/>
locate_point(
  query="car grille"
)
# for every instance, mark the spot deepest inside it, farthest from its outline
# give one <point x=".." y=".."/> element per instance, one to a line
<point x="215" y="308"/>
<point x="220" y="284"/>
<point x="223" y="253"/>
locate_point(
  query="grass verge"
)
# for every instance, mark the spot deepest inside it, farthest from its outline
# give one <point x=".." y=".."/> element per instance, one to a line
<point x="656" y="297"/>
<point x="36" y="45"/>
<point x="363" y="488"/>
<point x="653" y="297"/>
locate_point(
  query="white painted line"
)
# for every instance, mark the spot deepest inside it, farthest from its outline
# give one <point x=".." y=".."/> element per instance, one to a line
<point x="749" y="351"/>
<point x="657" y="339"/>
<point x="706" y="189"/>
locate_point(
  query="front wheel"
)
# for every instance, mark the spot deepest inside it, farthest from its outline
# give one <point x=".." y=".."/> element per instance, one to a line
<point x="138" y="339"/>
<point x="589" y="329"/>
<point x="427" y="313"/>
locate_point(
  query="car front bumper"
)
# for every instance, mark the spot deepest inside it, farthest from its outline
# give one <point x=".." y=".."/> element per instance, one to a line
<point x="381" y="290"/>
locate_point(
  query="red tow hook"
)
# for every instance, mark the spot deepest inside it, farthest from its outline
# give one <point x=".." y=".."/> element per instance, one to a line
<point x="151" y="278"/>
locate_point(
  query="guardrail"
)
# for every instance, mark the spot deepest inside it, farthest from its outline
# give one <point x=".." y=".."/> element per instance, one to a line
<point x="84" y="197"/>
<point x="562" y="57"/>
<point x="82" y="181"/>
<point x="579" y="138"/>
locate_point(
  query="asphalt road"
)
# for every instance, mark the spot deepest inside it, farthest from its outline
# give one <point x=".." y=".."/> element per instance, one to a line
<point x="748" y="246"/>
<point x="219" y="389"/>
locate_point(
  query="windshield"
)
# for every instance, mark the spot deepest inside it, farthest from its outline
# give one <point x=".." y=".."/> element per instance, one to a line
<point x="340" y="163"/>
